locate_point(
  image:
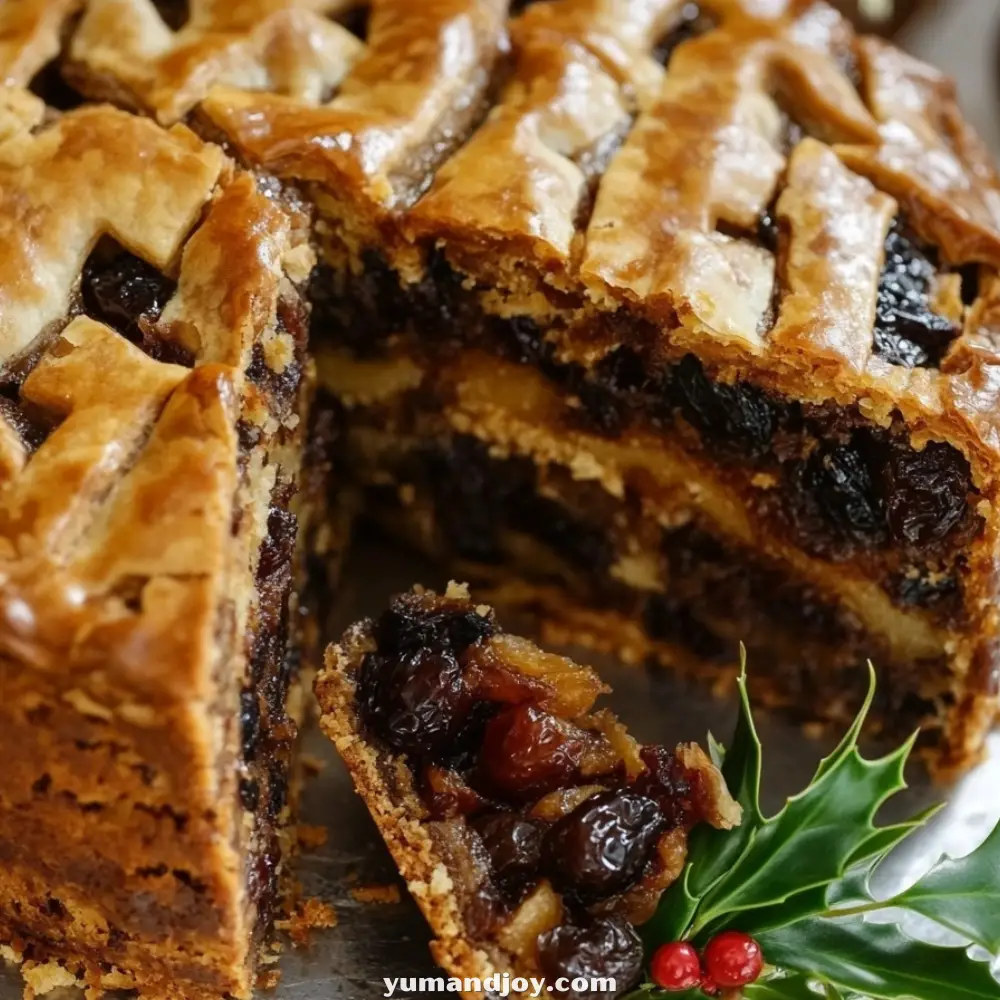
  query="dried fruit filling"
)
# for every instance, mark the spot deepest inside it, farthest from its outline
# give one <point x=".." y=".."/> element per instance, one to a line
<point x="578" y="828"/>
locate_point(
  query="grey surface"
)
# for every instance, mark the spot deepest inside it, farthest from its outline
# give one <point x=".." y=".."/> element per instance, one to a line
<point x="372" y="941"/>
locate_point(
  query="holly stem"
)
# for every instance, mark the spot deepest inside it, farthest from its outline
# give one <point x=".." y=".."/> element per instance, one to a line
<point x="857" y="911"/>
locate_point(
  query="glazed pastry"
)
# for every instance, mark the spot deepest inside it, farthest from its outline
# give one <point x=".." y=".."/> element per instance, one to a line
<point x="533" y="831"/>
<point x="156" y="500"/>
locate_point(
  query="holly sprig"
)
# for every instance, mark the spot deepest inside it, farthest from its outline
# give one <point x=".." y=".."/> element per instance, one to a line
<point x="799" y="883"/>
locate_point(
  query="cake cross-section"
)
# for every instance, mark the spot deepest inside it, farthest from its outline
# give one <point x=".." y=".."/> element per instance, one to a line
<point x="153" y="510"/>
<point x="720" y="279"/>
<point x="533" y="831"/>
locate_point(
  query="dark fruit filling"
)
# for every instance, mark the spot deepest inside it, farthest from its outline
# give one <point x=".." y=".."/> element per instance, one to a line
<point x="737" y="416"/>
<point x="907" y="330"/>
<point x="926" y="493"/>
<point x="839" y="481"/>
<point x="128" y="295"/>
<point x="829" y="462"/>
<point x="602" y="847"/>
<point x="415" y="702"/>
<point x="606" y="947"/>
<point x="514" y="846"/>
<point x="498" y="737"/>
<point x="691" y="22"/>
<point x="175" y="13"/>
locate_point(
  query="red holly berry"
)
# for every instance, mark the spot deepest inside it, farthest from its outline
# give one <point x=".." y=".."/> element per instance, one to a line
<point x="709" y="988"/>
<point x="676" y="966"/>
<point x="733" y="958"/>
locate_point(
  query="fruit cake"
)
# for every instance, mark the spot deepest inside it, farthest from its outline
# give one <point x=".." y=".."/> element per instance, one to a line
<point x="708" y="291"/>
<point x="157" y="499"/>
<point x="532" y="829"/>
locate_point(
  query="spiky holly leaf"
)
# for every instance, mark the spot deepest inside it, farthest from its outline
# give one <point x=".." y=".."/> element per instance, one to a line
<point x="808" y="913"/>
<point x="791" y="987"/>
<point x="810" y="843"/>
<point x="711" y="852"/>
<point x="851" y="890"/>
<point x="963" y="895"/>
<point x="878" y="961"/>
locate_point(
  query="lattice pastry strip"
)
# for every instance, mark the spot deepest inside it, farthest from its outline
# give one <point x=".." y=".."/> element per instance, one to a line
<point x="580" y="67"/>
<point x="43" y="509"/>
<point x="57" y="197"/>
<point x="124" y="51"/>
<point x="837" y="223"/>
<point x="30" y="36"/>
<point x="927" y="157"/>
<point x="711" y="152"/>
<point x="403" y="108"/>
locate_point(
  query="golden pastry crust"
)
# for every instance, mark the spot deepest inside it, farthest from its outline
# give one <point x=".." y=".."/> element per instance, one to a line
<point x="621" y="202"/>
<point x="30" y="36"/>
<point x="128" y="602"/>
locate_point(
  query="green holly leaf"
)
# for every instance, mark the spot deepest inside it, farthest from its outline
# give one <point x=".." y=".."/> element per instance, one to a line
<point x="790" y="987"/>
<point x="799" y="882"/>
<point x="963" y="894"/>
<point x="877" y="960"/>
<point x="852" y="889"/>
<point x="712" y="852"/>
<point x="812" y="840"/>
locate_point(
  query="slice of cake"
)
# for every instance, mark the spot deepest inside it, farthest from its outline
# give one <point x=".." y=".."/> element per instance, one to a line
<point x="154" y="511"/>
<point x="533" y="831"/>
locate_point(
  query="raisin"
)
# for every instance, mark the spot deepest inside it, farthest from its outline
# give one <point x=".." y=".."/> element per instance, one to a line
<point x="739" y="416"/>
<point x="123" y="291"/>
<point x="840" y="483"/>
<point x="666" y="782"/>
<point x="526" y="343"/>
<point x="927" y="493"/>
<point x="604" y="411"/>
<point x="619" y="373"/>
<point x="514" y="845"/>
<point x="406" y="627"/>
<point x="527" y="752"/>
<point x="250" y="723"/>
<point x="277" y="790"/>
<point x="606" y="947"/>
<point x="907" y="332"/>
<point x="601" y="848"/>
<point x="416" y="701"/>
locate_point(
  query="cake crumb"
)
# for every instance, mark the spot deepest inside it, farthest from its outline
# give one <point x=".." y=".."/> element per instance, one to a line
<point x="312" y="837"/>
<point x="457" y="591"/>
<point x="268" y="979"/>
<point x="309" y="915"/>
<point x="382" y="894"/>
<point x="42" y="979"/>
